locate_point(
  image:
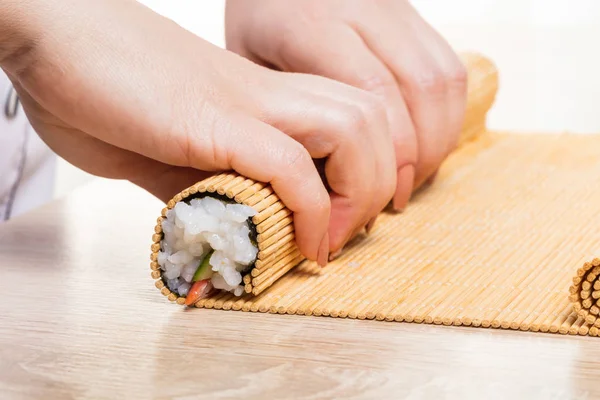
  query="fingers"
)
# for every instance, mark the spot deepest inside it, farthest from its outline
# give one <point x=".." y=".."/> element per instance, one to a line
<point x="349" y="128"/>
<point x="261" y="152"/>
<point x="336" y="51"/>
<point x="432" y="80"/>
<point x="245" y="145"/>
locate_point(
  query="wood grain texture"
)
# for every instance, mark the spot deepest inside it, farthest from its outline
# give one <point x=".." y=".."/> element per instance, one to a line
<point x="70" y="330"/>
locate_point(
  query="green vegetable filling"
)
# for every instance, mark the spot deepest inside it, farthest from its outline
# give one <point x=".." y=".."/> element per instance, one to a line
<point x="204" y="270"/>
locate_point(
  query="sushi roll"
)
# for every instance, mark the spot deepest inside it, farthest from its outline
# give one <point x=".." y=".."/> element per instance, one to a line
<point x="585" y="296"/>
<point x="226" y="233"/>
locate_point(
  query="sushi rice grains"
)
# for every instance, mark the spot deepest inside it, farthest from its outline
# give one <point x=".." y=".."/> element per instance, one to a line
<point x="206" y="227"/>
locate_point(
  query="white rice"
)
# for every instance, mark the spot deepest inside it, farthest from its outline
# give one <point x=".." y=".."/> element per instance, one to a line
<point x="191" y="231"/>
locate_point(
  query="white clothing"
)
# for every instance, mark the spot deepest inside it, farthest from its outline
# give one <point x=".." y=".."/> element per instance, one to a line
<point x="27" y="165"/>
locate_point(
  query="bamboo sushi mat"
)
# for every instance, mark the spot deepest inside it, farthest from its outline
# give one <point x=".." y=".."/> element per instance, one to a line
<point x="502" y="239"/>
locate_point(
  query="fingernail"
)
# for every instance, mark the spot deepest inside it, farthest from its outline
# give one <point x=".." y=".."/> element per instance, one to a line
<point x="404" y="186"/>
<point x="323" y="254"/>
<point x="335" y="254"/>
<point x="371" y="224"/>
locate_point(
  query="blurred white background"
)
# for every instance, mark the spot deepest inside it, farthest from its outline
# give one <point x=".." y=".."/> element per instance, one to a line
<point x="546" y="51"/>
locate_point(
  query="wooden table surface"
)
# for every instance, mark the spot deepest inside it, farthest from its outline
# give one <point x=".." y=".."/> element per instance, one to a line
<point x="80" y="318"/>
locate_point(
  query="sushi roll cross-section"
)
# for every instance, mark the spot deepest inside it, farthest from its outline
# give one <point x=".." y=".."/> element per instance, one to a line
<point x="226" y="233"/>
<point x="207" y="244"/>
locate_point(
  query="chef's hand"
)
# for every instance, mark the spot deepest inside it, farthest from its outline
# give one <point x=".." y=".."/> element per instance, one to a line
<point x="382" y="46"/>
<point x="124" y="93"/>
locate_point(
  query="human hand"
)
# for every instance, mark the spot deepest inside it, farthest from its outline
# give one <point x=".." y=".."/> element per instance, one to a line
<point x="124" y="93"/>
<point x="381" y="46"/>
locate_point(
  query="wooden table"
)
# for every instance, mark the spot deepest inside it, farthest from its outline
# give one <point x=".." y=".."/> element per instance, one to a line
<point x="80" y="318"/>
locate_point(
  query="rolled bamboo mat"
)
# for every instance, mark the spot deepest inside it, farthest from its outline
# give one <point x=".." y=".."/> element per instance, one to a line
<point x="495" y="242"/>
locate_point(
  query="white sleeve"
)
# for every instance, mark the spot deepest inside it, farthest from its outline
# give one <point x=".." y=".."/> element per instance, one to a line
<point x="27" y="165"/>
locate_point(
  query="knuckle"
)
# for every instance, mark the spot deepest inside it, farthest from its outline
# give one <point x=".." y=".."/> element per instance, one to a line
<point x="373" y="108"/>
<point x="297" y="158"/>
<point x="375" y="83"/>
<point x="434" y="80"/>
<point x="457" y="75"/>
<point x="351" y="119"/>
<point x="366" y="111"/>
<point x="430" y="81"/>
